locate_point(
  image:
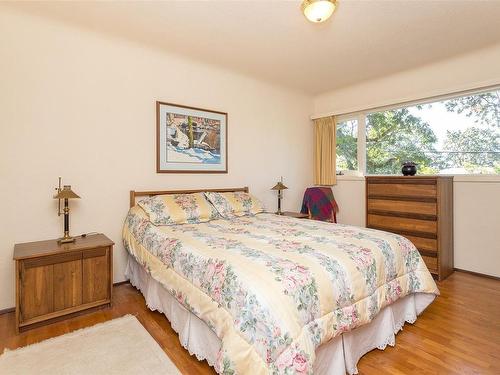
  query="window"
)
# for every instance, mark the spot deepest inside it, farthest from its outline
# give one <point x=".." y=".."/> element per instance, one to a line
<point x="453" y="136"/>
<point x="347" y="141"/>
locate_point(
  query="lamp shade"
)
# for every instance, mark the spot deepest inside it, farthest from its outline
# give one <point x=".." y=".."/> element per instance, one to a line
<point x="279" y="186"/>
<point x="318" y="10"/>
<point x="66" y="193"/>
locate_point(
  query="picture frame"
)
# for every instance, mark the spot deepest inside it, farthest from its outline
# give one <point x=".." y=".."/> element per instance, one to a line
<point x="190" y="139"/>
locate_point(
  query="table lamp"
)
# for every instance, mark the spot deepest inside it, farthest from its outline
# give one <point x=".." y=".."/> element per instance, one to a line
<point x="280" y="187"/>
<point x="65" y="193"/>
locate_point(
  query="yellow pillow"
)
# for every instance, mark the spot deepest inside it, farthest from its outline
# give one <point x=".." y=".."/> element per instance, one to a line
<point x="235" y="203"/>
<point x="178" y="209"/>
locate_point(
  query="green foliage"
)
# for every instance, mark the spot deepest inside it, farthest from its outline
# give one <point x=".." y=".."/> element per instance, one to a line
<point x="479" y="146"/>
<point x="393" y="137"/>
<point x="475" y="147"/>
<point x="484" y="108"/>
<point x="347" y="144"/>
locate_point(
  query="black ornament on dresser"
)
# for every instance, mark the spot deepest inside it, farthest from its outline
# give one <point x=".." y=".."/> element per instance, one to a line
<point x="409" y="168"/>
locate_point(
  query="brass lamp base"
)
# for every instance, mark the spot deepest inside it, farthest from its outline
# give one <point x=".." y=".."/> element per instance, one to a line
<point x="66" y="239"/>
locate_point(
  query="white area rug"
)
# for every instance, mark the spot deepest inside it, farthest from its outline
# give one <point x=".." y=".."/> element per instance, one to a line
<point x="120" y="346"/>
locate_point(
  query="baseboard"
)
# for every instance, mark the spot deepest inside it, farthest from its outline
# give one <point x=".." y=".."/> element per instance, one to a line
<point x="7" y="310"/>
<point x="477" y="274"/>
<point x="12" y="309"/>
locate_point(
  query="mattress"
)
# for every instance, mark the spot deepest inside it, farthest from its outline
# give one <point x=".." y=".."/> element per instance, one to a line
<point x="274" y="289"/>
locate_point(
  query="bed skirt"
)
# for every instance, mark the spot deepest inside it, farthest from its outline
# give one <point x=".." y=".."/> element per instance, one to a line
<point x="338" y="356"/>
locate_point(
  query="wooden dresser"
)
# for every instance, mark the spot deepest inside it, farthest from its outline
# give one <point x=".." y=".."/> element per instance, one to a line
<point x="419" y="208"/>
<point x="53" y="280"/>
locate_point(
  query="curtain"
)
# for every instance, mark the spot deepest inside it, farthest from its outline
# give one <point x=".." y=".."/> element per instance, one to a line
<point x="325" y="151"/>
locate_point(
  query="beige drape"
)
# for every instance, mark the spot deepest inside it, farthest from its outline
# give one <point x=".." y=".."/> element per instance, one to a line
<point x="325" y="151"/>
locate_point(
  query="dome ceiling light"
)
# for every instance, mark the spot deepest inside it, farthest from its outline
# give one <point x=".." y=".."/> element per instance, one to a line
<point x="318" y="10"/>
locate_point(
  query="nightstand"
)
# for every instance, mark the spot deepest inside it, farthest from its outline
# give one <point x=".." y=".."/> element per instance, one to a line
<point x="53" y="280"/>
<point x="297" y="215"/>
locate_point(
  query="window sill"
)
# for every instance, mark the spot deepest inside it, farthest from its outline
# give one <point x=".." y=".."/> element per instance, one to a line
<point x="346" y="177"/>
<point x="476" y="178"/>
<point x="456" y="178"/>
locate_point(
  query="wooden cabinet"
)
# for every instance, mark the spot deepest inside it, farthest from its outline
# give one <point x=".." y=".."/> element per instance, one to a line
<point x="96" y="278"/>
<point x="53" y="280"/>
<point x="419" y="208"/>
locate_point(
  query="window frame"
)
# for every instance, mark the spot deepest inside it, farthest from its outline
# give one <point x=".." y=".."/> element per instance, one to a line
<point x="361" y="116"/>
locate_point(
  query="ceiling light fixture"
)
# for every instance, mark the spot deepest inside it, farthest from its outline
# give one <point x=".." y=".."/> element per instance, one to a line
<point x="318" y="10"/>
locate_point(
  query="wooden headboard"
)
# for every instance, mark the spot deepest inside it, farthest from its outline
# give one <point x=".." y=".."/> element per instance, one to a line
<point x="134" y="194"/>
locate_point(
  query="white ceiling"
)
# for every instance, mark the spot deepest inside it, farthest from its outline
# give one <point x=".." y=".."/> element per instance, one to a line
<point x="273" y="41"/>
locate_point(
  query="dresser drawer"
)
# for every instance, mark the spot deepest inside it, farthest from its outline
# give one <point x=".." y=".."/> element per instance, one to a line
<point x="431" y="263"/>
<point x="425" y="244"/>
<point x="419" y="208"/>
<point x="401" y="190"/>
<point x="400" y="206"/>
<point x="399" y="224"/>
<point x="52" y="259"/>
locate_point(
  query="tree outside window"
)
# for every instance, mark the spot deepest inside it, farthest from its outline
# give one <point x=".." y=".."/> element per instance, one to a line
<point x="455" y="136"/>
<point x="347" y="143"/>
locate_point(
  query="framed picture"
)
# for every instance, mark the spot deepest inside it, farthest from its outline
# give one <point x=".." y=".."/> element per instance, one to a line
<point x="190" y="140"/>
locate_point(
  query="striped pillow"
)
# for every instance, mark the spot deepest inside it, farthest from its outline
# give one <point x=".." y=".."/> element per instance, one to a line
<point x="235" y="204"/>
<point x="173" y="209"/>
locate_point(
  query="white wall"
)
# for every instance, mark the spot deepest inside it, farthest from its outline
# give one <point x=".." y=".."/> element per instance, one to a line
<point x="477" y="226"/>
<point x="82" y="106"/>
<point x="350" y="196"/>
<point x="478" y="69"/>
<point x="476" y="203"/>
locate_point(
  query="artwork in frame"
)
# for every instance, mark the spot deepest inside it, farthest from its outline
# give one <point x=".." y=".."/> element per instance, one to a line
<point x="190" y="140"/>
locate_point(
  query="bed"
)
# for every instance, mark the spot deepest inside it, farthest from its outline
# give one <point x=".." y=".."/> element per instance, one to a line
<point x="263" y="293"/>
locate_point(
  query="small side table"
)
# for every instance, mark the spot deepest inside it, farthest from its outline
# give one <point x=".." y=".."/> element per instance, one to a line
<point x="297" y="215"/>
<point x="53" y="280"/>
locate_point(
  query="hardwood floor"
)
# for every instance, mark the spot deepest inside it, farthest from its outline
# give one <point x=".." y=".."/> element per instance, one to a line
<point x="458" y="334"/>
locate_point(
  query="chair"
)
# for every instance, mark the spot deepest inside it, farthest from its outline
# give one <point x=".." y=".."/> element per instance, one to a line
<point x="319" y="203"/>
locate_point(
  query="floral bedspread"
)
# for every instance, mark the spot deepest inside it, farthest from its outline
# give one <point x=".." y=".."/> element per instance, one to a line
<point x="274" y="288"/>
